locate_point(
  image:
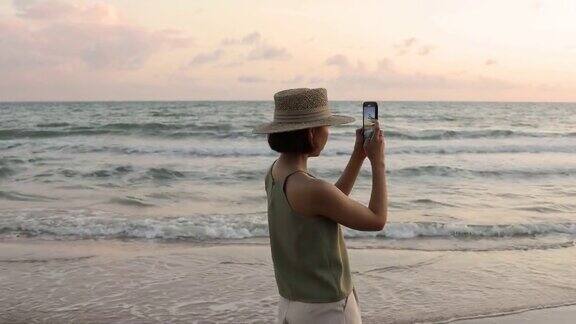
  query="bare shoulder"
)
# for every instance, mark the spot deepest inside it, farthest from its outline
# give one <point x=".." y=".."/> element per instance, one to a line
<point x="305" y="193"/>
<point x="320" y="188"/>
<point x="306" y="185"/>
<point x="300" y="182"/>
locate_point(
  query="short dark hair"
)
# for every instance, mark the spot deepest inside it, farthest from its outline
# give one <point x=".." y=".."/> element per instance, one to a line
<point x="297" y="141"/>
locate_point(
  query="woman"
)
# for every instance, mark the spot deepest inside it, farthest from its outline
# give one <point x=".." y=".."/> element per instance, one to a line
<point x="308" y="250"/>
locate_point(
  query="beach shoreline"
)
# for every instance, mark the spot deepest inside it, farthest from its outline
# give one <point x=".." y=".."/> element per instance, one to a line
<point x="142" y="281"/>
<point x="563" y="314"/>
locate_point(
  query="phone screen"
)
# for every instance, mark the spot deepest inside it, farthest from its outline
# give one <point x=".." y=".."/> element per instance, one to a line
<point x="369" y="115"/>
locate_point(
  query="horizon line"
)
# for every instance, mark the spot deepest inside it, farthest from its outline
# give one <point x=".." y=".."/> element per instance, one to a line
<point x="271" y="100"/>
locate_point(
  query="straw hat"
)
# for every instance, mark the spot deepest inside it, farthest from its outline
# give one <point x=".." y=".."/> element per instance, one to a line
<point x="301" y="108"/>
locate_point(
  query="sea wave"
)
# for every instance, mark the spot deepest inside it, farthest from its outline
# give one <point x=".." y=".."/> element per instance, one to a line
<point x="448" y="171"/>
<point x="18" y="196"/>
<point x="249" y="149"/>
<point x="56" y="124"/>
<point x="163" y="174"/>
<point x="94" y="224"/>
<point x="444" y="171"/>
<point x="479" y="149"/>
<point x="10" y="134"/>
<point x="135" y="174"/>
<point x="6" y="172"/>
<point x="152" y="129"/>
<point x="437" y="134"/>
<point x="244" y="130"/>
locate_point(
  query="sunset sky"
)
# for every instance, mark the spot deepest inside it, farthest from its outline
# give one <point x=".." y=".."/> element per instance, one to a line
<point x="505" y="50"/>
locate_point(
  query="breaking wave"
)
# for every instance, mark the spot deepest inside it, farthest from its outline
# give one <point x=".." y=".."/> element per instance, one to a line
<point x="93" y="224"/>
<point x="244" y="130"/>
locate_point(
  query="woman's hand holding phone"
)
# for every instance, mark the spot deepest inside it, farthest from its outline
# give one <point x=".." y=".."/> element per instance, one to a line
<point x="374" y="146"/>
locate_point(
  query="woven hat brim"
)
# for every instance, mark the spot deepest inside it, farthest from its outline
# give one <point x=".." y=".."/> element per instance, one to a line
<point x="275" y="127"/>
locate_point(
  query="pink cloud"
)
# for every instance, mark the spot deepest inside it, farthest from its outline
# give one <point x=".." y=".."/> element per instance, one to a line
<point x="490" y="62"/>
<point x="260" y="50"/>
<point x="249" y="39"/>
<point x="353" y="79"/>
<point x="425" y="50"/>
<point x="403" y="47"/>
<point x="54" y="33"/>
<point x="338" y="60"/>
<point x="207" y="57"/>
<point x="48" y="10"/>
<point x="251" y="79"/>
<point x="409" y="44"/>
<point x="268" y="52"/>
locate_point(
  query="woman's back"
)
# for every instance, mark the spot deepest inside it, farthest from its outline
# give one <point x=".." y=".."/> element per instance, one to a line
<point x="310" y="259"/>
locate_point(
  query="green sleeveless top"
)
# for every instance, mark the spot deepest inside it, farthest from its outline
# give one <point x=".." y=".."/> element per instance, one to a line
<point x="309" y="253"/>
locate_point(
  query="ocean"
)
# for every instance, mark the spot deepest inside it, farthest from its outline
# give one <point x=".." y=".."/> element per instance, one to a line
<point x="464" y="178"/>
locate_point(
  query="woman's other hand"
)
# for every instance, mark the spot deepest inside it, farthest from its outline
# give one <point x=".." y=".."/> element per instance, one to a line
<point x="374" y="146"/>
<point x="359" y="151"/>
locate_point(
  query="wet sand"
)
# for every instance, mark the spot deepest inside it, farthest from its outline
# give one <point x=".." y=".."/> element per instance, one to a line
<point x="556" y="315"/>
<point x="151" y="282"/>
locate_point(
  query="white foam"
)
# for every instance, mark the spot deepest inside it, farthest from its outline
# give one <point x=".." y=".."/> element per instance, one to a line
<point x="94" y="224"/>
<point x="435" y="229"/>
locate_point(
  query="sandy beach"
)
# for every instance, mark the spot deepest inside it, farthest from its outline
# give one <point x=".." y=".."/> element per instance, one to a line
<point x="557" y="315"/>
<point x="92" y="281"/>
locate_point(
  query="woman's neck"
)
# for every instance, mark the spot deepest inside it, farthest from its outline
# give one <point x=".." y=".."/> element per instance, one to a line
<point x="294" y="161"/>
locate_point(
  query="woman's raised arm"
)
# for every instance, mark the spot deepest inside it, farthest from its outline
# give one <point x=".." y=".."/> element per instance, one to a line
<point x="346" y="181"/>
<point x="319" y="197"/>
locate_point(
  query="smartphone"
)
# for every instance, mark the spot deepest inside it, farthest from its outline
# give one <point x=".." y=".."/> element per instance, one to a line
<point x="369" y="115"/>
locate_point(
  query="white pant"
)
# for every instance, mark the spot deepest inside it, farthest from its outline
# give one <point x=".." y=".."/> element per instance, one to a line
<point x="344" y="311"/>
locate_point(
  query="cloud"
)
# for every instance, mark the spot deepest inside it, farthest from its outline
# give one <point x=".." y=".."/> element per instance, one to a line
<point x="235" y="63"/>
<point x="353" y="79"/>
<point x="296" y="79"/>
<point x="259" y="49"/>
<point x="490" y="62"/>
<point x="208" y="57"/>
<point x="268" y="52"/>
<point x="404" y="46"/>
<point x="53" y="33"/>
<point x="251" y="79"/>
<point x="409" y="44"/>
<point x="249" y="39"/>
<point x="338" y="60"/>
<point x="425" y="50"/>
<point x="51" y="10"/>
<point x="316" y="80"/>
